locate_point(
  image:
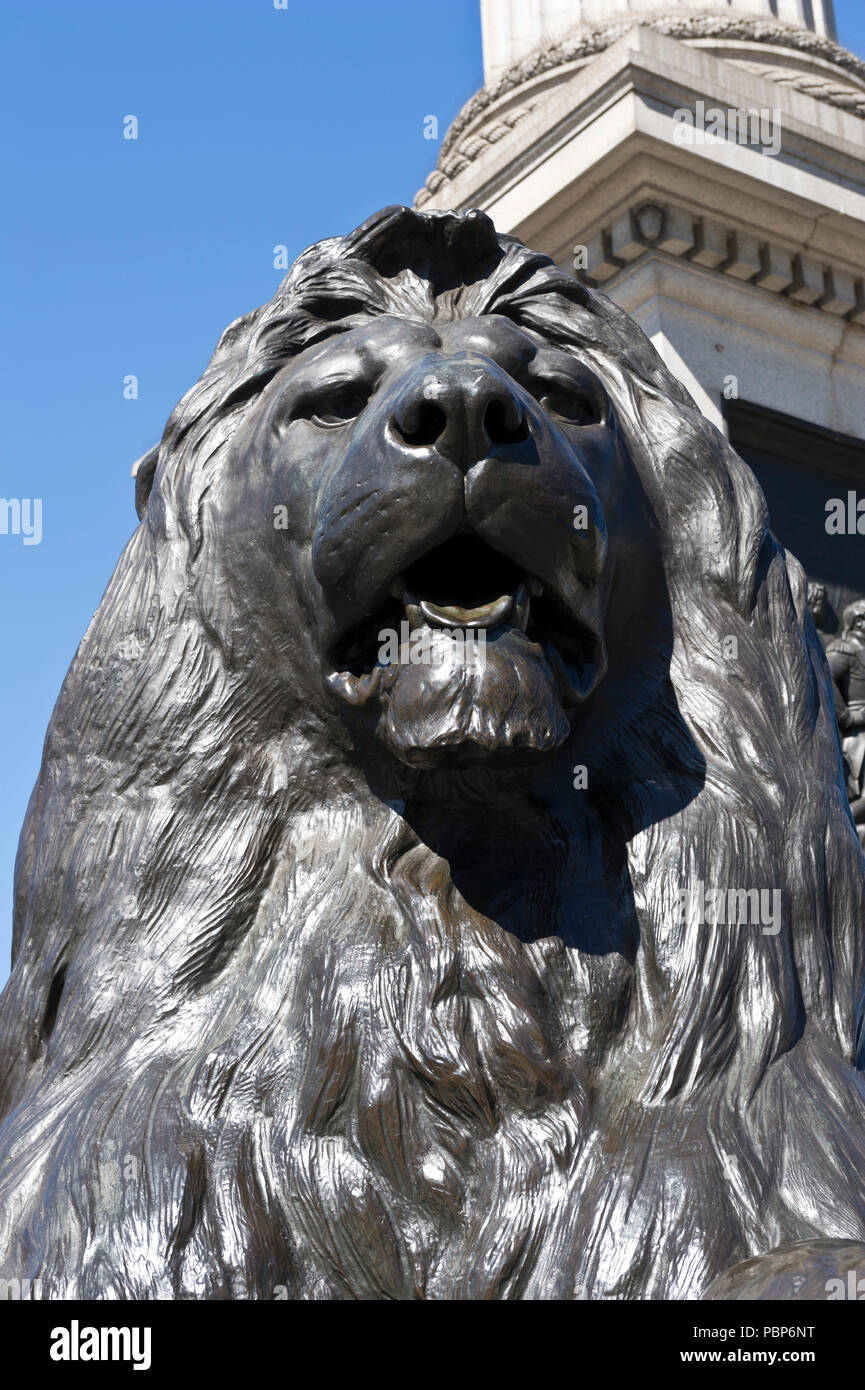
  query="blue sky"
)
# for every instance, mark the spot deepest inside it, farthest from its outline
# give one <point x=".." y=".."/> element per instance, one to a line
<point x="257" y="127"/>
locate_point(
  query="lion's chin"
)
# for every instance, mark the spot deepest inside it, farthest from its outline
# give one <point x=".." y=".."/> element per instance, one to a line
<point x="463" y="703"/>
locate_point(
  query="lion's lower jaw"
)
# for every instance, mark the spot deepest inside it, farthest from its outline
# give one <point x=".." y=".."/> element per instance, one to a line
<point x="500" y="704"/>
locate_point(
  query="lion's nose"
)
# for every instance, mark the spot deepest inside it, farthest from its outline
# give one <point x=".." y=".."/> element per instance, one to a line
<point x="462" y="409"/>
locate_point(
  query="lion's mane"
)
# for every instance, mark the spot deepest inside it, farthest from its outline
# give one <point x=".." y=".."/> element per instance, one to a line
<point x="255" y="1039"/>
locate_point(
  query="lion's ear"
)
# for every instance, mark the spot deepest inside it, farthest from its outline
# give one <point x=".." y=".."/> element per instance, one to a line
<point x="144" y="471"/>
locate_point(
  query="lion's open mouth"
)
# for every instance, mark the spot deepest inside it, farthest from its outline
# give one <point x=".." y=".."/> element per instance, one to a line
<point x="465" y="584"/>
<point x="462" y="590"/>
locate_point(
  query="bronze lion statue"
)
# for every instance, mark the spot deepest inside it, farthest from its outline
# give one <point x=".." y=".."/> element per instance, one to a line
<point x="440" y="881"/>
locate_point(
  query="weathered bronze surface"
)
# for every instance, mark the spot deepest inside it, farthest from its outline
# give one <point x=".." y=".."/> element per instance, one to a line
<point x="440" y="881"/>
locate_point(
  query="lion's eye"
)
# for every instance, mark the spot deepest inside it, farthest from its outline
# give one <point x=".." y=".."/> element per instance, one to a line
<point x="577" y="407"/>
<point x="337" y="409"/>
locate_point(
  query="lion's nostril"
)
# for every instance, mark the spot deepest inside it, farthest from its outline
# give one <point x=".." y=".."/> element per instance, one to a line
<point x="504" y="423"/>
<point x="466" y="419"/>
<point x="422" y="424"/>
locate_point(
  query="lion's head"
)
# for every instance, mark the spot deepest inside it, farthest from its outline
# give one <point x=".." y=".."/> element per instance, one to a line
<point x="404" y="450"/>
<point x="452" y="651"/>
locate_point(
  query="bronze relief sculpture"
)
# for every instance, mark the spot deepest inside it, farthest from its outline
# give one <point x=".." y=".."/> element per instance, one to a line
<point x="846" y="657"/>
<point x="356" y="975"/>
<point x="821" y="610"/>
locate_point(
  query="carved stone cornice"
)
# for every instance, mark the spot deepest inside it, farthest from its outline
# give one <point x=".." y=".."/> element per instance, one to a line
<point x="650" y="227"/>
<point x="467" y="136"/>
<point x="815" y="85"/>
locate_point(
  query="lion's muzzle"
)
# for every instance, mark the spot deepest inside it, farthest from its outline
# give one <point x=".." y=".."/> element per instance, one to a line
<point x="465" y="503"/>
